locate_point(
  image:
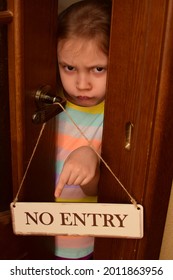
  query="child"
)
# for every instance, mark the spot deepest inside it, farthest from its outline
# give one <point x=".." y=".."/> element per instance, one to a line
<point x="83" y="44"/>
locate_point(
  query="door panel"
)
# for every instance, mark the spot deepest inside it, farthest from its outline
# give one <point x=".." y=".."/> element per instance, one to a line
<point x="139" y="92"/>
<point x="32" y="63"/>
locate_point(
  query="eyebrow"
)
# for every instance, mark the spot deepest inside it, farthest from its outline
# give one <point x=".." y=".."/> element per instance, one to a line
<point x="62" y="63"/>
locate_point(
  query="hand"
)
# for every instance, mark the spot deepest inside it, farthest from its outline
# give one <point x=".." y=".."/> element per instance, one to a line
<point x="80" y="168"/>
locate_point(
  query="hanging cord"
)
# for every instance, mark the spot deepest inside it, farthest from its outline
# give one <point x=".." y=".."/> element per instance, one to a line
<point x="29" y="163"/>
<point x="99" y="156"/>
<point x="133" y="201"/>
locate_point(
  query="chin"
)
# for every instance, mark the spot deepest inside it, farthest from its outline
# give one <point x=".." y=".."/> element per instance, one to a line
<point x="86" y="104"/>
<point x="82" y="103"/>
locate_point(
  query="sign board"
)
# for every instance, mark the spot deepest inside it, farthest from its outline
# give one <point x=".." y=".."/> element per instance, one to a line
<point x="92" y="219"/>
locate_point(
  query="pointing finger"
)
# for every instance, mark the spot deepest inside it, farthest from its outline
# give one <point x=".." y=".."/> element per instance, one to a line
<point x="61" y="183"/>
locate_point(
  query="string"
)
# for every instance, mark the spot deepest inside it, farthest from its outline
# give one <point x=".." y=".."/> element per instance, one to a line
<point x="133" y="201"/>
<point x="29" y="163"/>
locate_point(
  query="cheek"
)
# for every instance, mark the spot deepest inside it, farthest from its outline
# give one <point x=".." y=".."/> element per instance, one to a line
<point x="66" y="81"/>
<point x="62" y="77"/>
<point x="101" y="87"/>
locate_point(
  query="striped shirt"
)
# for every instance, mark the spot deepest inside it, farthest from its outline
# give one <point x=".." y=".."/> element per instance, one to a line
<point x="68" y="138"/>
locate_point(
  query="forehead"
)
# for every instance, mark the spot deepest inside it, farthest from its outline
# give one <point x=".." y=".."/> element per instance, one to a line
<point x="79" y="49"/>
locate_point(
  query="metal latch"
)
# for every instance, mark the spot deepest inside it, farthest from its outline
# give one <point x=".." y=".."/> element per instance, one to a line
<point x="47" y="106"/>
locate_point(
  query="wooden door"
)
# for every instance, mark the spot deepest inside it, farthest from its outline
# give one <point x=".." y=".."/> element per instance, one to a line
<point x="139" y="92"/>
<point x="32" y="63"/>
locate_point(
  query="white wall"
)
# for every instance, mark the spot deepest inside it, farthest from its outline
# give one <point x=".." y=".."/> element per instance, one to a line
<point x="63" y="4"/>
<point x="166" y="252"/>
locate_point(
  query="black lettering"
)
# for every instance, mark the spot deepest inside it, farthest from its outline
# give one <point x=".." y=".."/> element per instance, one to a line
<point x="120" y="220"/>
<point x="34" y="219"/>
<point x="77" y="217"/>
<point x="94" y="215"/>
<point x="65" y="219"/>
<point x="50" y="218"/>
<point x="108" y="219"/>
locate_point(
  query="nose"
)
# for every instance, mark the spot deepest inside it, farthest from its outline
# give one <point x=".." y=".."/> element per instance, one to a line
<point x="83" y="82"/>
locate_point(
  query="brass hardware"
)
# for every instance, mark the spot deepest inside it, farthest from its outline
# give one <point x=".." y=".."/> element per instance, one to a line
<point x="128" y="135"/>
<point x="47" y="105"/>
<point x="44" y="96"/>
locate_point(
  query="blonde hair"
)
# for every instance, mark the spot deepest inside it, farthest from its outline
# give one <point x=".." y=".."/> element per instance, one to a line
<point x="89" y="19"/>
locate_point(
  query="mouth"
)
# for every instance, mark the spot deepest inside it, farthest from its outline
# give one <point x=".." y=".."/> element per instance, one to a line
<point x="83" y="98"/>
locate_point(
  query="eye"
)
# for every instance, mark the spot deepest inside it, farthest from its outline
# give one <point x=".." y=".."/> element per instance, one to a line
<point x="99" y="69"/>
<point x="69" y="68"/>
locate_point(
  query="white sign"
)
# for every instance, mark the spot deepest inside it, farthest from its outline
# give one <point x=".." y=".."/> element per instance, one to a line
<point x="93" y="219"/>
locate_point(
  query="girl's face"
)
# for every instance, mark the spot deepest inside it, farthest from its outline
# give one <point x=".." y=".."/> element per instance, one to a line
<point x="83" y="71"/>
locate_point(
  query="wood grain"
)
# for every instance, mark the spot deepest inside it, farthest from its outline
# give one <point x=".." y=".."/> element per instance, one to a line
<point x="139" y="91"/>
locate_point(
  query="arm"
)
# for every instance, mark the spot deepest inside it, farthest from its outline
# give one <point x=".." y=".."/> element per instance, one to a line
<point x="80" y="168"/>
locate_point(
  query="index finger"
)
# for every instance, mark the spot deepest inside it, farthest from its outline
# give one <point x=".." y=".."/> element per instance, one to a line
<point x="59" y="187"/>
